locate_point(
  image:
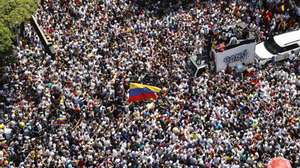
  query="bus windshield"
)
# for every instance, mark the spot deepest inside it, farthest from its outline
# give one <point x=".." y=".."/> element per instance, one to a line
<point x="272" y="46"/>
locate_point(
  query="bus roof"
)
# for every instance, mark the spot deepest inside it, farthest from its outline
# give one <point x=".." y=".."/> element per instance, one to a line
<point x="289" y="38"/>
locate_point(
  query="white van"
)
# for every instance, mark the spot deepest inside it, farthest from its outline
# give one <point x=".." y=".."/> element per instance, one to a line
<point x="196" y="68"/>
<point x="278" y="47"/>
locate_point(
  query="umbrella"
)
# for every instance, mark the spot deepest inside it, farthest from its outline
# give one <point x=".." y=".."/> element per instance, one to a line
<point x="240" y="68"/>
<point x="279" y="162"/>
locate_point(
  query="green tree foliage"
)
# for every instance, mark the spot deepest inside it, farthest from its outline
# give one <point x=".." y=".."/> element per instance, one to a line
<point x="5" y="39"/>
<point x="12" y="14"/>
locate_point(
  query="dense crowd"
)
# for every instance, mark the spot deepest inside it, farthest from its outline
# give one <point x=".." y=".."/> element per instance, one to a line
<point x="72" y="111"/>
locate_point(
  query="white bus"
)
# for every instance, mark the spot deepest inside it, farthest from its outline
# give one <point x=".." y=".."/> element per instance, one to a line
<point x="278" y="47"/>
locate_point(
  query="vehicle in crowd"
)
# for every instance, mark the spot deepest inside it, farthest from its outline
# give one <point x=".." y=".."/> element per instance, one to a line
<point x="196" y="67"/>
<point x="278" y="47"/>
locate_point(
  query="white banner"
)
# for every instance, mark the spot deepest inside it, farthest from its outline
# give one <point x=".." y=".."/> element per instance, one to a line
<point x="244" y="53"/>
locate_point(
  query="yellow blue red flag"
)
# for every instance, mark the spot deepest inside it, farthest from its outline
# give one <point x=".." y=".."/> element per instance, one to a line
<point x="140" y="92"/>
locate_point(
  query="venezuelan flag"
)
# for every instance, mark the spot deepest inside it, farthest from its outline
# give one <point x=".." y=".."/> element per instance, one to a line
<point x="140" y="92"/>
<point x="61" y="119"/>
